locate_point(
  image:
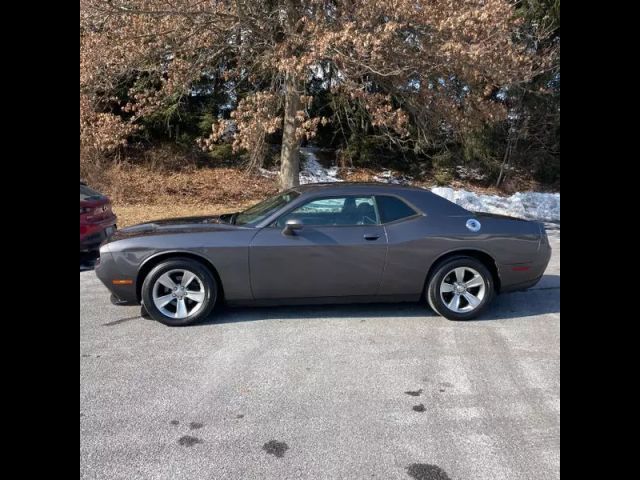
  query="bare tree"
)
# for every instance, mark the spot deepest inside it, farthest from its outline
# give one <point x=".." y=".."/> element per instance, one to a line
<point x="403" y="61"/>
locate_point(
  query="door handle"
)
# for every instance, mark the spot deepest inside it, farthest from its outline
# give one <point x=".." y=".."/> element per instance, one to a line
<point x="370" y="236"/>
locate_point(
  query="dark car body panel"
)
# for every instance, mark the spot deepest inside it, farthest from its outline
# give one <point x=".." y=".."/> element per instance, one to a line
<point x="329" y="264"/>
<point x="224" y="247"/>
<point x="416" y="244"/>
<point x="291" y="266"/>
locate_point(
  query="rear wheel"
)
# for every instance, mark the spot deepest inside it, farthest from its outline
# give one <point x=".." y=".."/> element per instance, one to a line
<point x="460" y="288"/>
<point x="179" y="291"/>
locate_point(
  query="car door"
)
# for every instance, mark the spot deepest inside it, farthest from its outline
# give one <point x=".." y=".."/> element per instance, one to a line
<point x="340" y="251"/>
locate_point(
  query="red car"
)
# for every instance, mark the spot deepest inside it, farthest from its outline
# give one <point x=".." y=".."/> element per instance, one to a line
<point x="97" y="220"/>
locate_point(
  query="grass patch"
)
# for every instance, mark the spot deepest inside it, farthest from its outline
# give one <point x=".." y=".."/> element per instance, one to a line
<point x="132" y="214"/>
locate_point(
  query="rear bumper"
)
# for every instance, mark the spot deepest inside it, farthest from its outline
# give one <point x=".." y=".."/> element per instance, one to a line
<point x="517" y="287"/>
<point x="95" y="235"/>
<point x="517" y="277"/>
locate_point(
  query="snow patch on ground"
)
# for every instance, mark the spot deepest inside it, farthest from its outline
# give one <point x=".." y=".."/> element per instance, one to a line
<point x="544" y="207"/>
<point x="312" y="171"/>
<point x="466" y="173"/>
<point x="387" y="176"/>
<point x="268" y="173"/>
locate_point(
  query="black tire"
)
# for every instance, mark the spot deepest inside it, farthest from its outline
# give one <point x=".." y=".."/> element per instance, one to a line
<point x="442" y="270"/>
<point x="209" y="288"/>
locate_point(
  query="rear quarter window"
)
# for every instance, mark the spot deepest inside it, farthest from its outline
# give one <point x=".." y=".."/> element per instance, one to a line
<point x="392" y="209"/>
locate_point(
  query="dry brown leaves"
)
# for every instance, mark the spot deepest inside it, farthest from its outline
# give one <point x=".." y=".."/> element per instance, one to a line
<point x="134" y="184"/>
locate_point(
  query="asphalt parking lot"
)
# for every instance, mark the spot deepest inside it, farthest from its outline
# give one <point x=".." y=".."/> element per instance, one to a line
<point x="345" y="392"/>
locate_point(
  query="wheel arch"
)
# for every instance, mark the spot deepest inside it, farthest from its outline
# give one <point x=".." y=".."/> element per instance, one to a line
<point x="485" y="258"/>
<point x="154" y="260"/>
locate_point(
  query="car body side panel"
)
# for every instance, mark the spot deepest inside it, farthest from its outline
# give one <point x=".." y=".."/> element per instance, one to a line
<point x="520" y="276"/>
<point x="415" y="244"/>
<point x="226" y="250"/>
<point x="326" y="261"/>
<point x="107" y="270"/>
<point x="428" y="202"/>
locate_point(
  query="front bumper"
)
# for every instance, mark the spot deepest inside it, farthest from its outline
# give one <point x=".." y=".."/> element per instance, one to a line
<point x="107" y="271"/>
<point x="120" y="302"/>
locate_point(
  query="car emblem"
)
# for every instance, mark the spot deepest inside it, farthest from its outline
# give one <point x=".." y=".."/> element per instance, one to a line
<point x="473" y="225"/>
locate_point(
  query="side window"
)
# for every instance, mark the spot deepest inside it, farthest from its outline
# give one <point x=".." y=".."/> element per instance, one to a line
<point x="334" y="211"/>
<point x="392" y="209"/>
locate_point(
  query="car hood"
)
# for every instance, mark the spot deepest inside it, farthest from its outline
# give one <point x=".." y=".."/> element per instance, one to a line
<point x="211" y="223"/>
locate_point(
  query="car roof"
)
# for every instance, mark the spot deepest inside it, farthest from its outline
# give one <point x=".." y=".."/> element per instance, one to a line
<point x="421" y="198"/>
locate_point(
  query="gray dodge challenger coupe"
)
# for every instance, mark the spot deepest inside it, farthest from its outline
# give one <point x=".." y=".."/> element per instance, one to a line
<point x="325" y="243"/>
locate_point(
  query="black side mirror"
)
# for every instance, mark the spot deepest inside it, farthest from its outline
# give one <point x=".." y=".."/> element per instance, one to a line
<point x="292" y="226"/>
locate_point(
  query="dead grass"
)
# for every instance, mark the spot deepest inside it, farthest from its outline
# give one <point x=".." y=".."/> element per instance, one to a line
<point x="142" y="193"/>
<point x="131" y="184"/>
<point x="132" y="214"/>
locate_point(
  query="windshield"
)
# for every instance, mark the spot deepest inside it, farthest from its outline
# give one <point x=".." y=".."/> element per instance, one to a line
<point x="265" y="208"/>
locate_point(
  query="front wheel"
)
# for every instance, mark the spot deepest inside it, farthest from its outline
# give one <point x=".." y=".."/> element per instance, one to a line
<point x="460" y="288"/>
<point x="179" y="292"/>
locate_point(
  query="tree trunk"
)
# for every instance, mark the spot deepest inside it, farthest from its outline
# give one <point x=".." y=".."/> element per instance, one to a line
<point x="289" y="155"/>
<point x="505" y="161"/>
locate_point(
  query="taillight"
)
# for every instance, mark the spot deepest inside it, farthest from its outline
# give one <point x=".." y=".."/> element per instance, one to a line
<point x="102" y="209"/>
